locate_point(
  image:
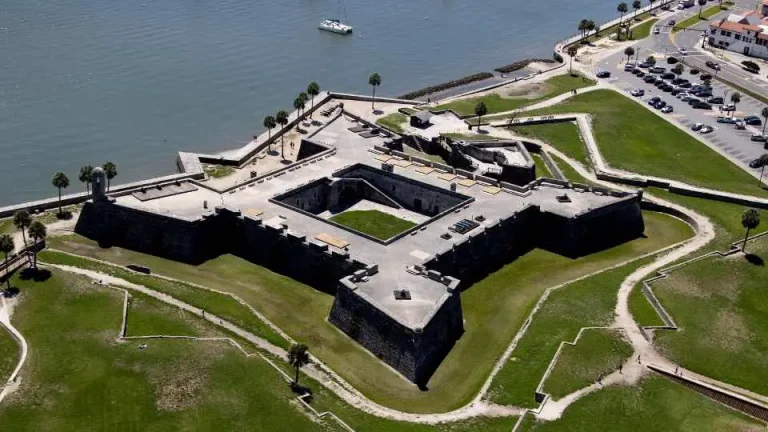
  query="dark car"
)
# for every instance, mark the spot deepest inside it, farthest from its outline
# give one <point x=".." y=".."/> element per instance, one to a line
<point x="652" y="101"/>
<point x="645" y="65"/>
<point x="702" y="105"/>
<point x="667" y="88"/>
<point x="753" y="120"/>
<point x="649" y="79"/>
<point x="660" y="104"/>
<point x="678" y="81"/>
<point x="639" y="73"/>
<point x="668" y="76"/>
<point x="603" y="74"/>
<point x="715" y="100"/>
<point x="672" y="22"/>
<point x="694" y="72"/>
<point x="705" y="77"/>
<point x="676" y="91"/>
<point x="757" y="163"/>
<point x="658" y="70"/>
<point x="659" y="83"/>
<point x="713" y="65"/>
<point x="703" y="94"/>
<point x="686" y="85"/>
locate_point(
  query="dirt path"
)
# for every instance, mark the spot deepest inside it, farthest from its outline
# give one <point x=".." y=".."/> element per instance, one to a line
<point x="6" y="311"/>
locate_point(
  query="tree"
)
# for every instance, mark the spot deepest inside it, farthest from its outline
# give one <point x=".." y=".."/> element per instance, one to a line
<point x="22" y="220"/>
<point x="596" y="28"/>
<point x="298" y="104"/>
<point x="572" y="50"/>
<point x="298" y="357"/>
<point x="678" y="69"/>
<point x="764" y="113"/>
<point x="7" y="247"/>
<point x="110" y="170"/>
<point x="762" y="161"/>
<point x="374" y="81"/>
<point x="622" y="9"/>
<point x="583" y="27"/>
<point x="749" y="220"/>
<point x="38" y="232"/>
<point x="282" y="119"/>
<point x="269" y="123"/>
<point x="735" y="98"/>
<point x="304" y="99"/>
<point x="701" y="6"/>
<point x="636" y="5"/>
<point x="480" y="111"/>
<point x="313" y="89"/>
<point x="60" y="181"/>
<point x="85" y="177"/>
<point x="751" y="66"/>
<point x="591" y="25"/>
<point x="629" y="52"/>
<point x="651" y="60"/>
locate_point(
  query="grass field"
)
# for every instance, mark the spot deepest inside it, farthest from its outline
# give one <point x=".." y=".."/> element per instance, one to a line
<point x="218" y="304"/>
<point x="78" y="377"/>
<point x="569" y="172"/>
<point x="219" y="171"/>
<point x="635" y="139"/>
<point x="706" y="14"/>
<point x="494" y="310"/>
<point x="597" y="353"/>
<point x="655" y="405"/>
<point x="495" y="103"/>
<point x="643" y="30"/>
<point x="719" y="305"/>
<point x="9" y="354"/>
<point x="413" y="152"/>
<point x="563" y="136"/>
<point x="393" y="121"/>
<point x="641" y="309"/>
<point x="541" y="168"/>
<point x="373" y="222"/>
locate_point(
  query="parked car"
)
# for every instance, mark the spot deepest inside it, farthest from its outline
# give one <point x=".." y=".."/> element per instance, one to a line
<point x="637" y="92"/>
<point x="649" y="79"/>
<point x="656" y="30"/>
<point x="645" y="65"/>
<point x="667" y="88"/>
<point x="694" y="72"/>
<point x="753" y="120"/>
<point x="702" y="105"/>
<point x="705" y="76"/>
<point x="678" y="81"/>
<point x="728" y="107"/>
<point x="668" y="76"/>
<point x="740" y="125"/>
<point x="697" y="127"/>
<point x="713" y="65"/>
<point x="667" y="109"/>
<point x="706" y="130"/>
<point x="726" y="120"/>
<point x="682" y="95"/>
<point x="639" y="73"/>
<point x="757" y="138"/>
<point x="685" y="85"/>
<point x="677" y="91"/>
<point x="683" y="51"/>
<point x="659" y="83"/>
<point x="703" y="94"/>
<point x="672" y="22"/>
<point x="693" y="100"/>
<point x="652" y="101"/>
<point x="629" y="67"/>
<point x="715" y="100"/>
<point x="660" y="104"/>
<point x="658" y="70"/>
<point x="603" y="74"/>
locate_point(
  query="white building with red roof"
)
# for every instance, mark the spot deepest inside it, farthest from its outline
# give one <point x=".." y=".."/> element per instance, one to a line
<point x="745" y="34"/>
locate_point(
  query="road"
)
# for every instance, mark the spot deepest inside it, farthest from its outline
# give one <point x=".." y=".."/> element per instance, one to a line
<point x="735" y="143"/>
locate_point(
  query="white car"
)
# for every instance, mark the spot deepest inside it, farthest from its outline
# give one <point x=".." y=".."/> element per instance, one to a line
<point x="728" y="107"/>
<point x="697" y="126"/>
<point x="706" y="130"/>
<point x="656" y="30"/>
<point x="683" y="51"/>
<point x="667" y="109"/>
<point x="637" y="92"/>
<point x="681" y="95"/>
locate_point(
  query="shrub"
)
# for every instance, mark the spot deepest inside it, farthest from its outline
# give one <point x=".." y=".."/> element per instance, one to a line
<point x="450" y="84"/>
<point x="671" y="60"/>
<point x="750" y="66"/>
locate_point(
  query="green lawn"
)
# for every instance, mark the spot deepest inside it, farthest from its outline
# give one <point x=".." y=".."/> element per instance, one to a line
<point x="9" y="354"/>
<point x="655" y="405"/>
<point x="642" y="311"/>
<point x="635" y="139"/>
<point x="78" y="377"/>
<point x="611" y="31"/>
<point x="495" y="103"/>
<point x="719" y="305"/>
<point x="563" y="136"/>
<point x="413" y="152"/>
<point x="378" y="224"/>
<point x="706" y="14"/>
<point x="219" y="171"/>
<point x="569" y="172"/>
<point x="597" y="353"/>
<point x="393" y="122"/>
<point x="643" y="30"/>
<point x="494" y="309"/>
<point x="218" y="304"/>
<point x="541" y="168"/>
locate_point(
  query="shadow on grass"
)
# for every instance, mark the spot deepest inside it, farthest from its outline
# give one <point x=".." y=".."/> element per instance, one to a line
<point x="10" y="292"/>
<point x="754" y="259"/>
<point x="64" y="215"/>
<point x="37" y="275"/>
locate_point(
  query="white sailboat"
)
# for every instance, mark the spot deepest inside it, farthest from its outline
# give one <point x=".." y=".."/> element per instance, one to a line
<point x="335" y="25"/>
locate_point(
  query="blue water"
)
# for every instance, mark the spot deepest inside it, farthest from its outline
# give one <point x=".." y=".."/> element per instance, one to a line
<point x="86" y="81"/>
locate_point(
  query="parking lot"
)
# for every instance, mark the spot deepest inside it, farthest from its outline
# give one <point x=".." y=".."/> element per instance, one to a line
<point x="735" y="142"/>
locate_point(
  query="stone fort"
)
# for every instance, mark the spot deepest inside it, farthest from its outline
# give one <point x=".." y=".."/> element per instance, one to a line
<point x="399" y="298"/>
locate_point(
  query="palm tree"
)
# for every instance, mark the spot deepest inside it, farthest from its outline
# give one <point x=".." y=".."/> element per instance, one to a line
<point x="298" y="357"/>
<point x="629" y="52"/>
<point x="313" y="89"/>
<point x="582" y="27"/>
<point x="22" y="220"/>
<point x="764" y="113"/>
<point x="297" y="104"/>
<point x="269" y="123"/>
<point x="749" y="220"/>
<point x="735" y="98"/>
<point x="282" y="119"/>
<point x="7" y="247"/>
<point x="763" y="161"/>
<point x="374" y="81"/>
<point x="590" y="25"/>
<point x="636" y="5"/>
<point x="60" y="181"/>
<point x="622" y="9"/>
<point x="38" y="232"/>
<point x="480" y="111"/>
<point x="572" y="50"/>
<point x="85" y="177"/>
<point x="304" y="99"/>
<point x="110" y="170"/>
<point x="701" y="6"/>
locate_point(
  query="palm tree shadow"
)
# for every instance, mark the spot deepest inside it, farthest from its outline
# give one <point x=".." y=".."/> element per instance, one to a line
<point x="378" y="112"/>
<point x="35" y="274"/>
<point x="10" y="292"/>
<point x="754" y="259"/>
<point x="64" y="215"/>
